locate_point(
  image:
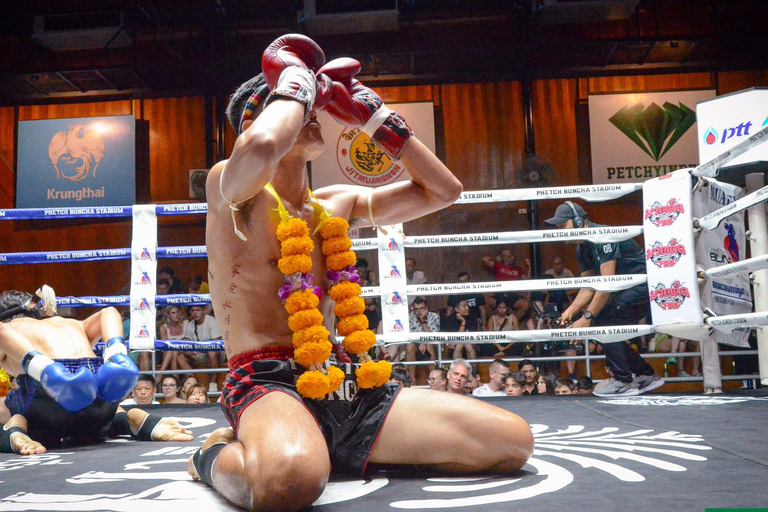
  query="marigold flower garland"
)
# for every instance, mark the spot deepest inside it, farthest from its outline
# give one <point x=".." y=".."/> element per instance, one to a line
<point x="301" y="298"/>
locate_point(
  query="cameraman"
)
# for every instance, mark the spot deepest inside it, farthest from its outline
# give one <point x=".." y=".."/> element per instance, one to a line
<point x="606" y="308"/>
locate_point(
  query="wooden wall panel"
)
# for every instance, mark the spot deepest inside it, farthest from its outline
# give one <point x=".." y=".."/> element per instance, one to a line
<point x="737" y="81"/>
<point x="7" y="156"/>
<point x="619" y="84"/>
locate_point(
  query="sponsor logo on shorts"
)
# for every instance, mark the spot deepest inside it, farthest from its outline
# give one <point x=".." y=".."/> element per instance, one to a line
<point x="363" y="162"/>
<point x="670" y="298"/>
<point x="664" y="256"/>
<point x="664" y="215"/>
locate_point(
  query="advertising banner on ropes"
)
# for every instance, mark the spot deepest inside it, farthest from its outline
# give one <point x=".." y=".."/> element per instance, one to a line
<point x="639" y="136"/>
<point x="350" y="156"/>
<point x="392" y="283"/>
<point x="669" y="250"/>
<point x="143" y="272"/>
<point x="730" y="294"/>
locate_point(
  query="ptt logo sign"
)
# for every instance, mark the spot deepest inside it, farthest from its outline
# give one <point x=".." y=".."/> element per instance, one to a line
<point x="392" y="245"/>
<point x="712" y="136"/>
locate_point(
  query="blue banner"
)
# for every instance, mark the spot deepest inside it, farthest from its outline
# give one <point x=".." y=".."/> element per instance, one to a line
<point x="87" y="161"/>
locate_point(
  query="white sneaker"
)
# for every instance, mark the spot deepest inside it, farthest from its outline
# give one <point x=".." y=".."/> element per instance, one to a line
<point x="712" y="391"/>
<point x="613" y="387"/>
<point x="212" y="387"/>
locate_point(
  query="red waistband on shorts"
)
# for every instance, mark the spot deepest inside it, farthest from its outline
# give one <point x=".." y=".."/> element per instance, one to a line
<point x="258" y="354"/>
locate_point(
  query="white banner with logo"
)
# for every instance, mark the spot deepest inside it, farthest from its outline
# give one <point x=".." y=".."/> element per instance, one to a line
<point x="728" y="120"/>
<point x="392" y="283"/>
<point x="352" y="158"/>
<point x="143" y="272"/>
<point x="729" y="294"/>
<point x="640" y="136"/>
<point x="669" y="250"/>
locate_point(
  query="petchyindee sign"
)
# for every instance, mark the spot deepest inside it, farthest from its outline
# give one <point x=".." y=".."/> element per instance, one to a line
<point x="88" y="161"/>
<point x="639" y="136"/>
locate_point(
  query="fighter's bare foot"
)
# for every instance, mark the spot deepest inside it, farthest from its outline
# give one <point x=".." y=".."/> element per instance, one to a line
<point x="20" y="442"/>
<point x="220" y="435"/>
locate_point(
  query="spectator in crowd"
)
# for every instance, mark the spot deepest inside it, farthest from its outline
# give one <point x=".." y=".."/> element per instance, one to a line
<point x="186" y="382"/>
<point x="202" y="327"/>
<point x="457" y="322"/>
<point x="565" y="387"/>
<point x="632" y="375"/>
<point x="420" y="320"/>
<point x="529" y="370"/>
<point x="664" y="343"/>
<point x="584" y="385"/>
<point x="196" y="394"/>
<point x="367" y="276"/>
<point x="476" y="319"/>
<point x="438" y="379"/>
<point x="413" y="276"/>
<point x="458" y="376"/>
<point x="514" y="384"/>
<point x="172" y="328"/>
<point x="197" y="285"/>
<point x="546" y="383"/>
<point x="400" y="376"/>
<point x="169" y="387"/>
<point x="497" y="372"/>
<point x="163" y="286"/>
<point x="176" y="286"/>
<point x="502" y="320"/>
<point x="143" y="392"/>
<point x="372" y="313"/>
<point x="473" y="382"/>
<point x="504" y="268"/>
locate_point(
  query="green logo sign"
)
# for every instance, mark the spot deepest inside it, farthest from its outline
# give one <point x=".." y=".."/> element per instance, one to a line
<point x="654" y="129"/>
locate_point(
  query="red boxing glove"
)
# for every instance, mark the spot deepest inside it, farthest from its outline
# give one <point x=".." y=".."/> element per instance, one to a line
<point x="288" y="64"/>
<point x="355" y="105"/>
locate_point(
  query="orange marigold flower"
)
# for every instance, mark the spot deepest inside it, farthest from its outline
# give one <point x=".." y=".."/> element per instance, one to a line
<point x="335" y="226"/>
<point x="359" y="341"/>
<point x="349" y="307"/>
<point x="301" y="300"/>
<point x="336" y="377"/>
<point x="340" y="260"/>
<point x="314" y="334"/>
<point x="303" y="319"/>
<point x="351" y="324"/>
<point x="296" y="245"/>
<point x="313" y="385"/>
<point x="384" y="369"/>
<point x="336" y="244"/>
<point x="295" y="263"/>
<point x="311" y="353"/>
<point x="367" y="375"/>
<point x="344" y="290"/>
<point x="293" y="227"/>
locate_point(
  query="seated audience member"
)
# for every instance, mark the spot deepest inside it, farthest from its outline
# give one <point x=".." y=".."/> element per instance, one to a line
<point x="438" y="379"/>
<point x="400" y="376"/>
<point x="546" y="383"/>
<point x="474" y="381"/>
<point x="497" y="372"/>
<point x="476" y="302"/>
<point x="565" y="387"/>
<point x="529" y="370"/>
<point x="176" y="286"/>
<point x="672" y="344"/>
<point x="367" y="276"/>
<point x="457" y="322"/>
<point x="202" y="327"/>
<point x="171" y="328"/>
<point x="421" y="320"/>
<point x="186" y="382"/>
<point x="143" y="393"/>
<point x="196" y="394"/>
<point x="513" y="384"/>
<point x="197" y="285"/>
<point x="458" y="376"/>
<point x="169" y="387"/>
<point x="584" y="385"/>
<point x="502" y="320"/>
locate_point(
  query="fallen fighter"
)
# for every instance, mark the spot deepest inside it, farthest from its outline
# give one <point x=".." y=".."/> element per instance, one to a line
<point x="64" y="393"/>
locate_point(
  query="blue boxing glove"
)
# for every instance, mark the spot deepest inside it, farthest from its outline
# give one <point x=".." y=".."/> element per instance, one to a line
<point x="72" y="391"/>
<point x="118" y="374"/>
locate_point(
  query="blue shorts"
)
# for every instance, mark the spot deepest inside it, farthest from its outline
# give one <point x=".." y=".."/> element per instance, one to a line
<point x="50" y="423"/>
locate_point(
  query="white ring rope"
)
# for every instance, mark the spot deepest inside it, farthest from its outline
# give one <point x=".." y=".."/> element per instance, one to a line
<point x="748" y="265"/>
<point x="585" y="192"/>
<point x="612" y="334"/>
<point x="599" y="283"/>
<point x="739" y="321"/>
<point x="712" y="220"/>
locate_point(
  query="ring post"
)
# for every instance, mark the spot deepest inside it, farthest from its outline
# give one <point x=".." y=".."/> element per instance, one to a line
<point x="758" y="245"/>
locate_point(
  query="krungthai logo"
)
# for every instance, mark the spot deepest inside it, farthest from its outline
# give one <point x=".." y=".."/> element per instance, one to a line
<point x="664" y="256"/>
<point x="654" y="129"/>
<point x="80" y="149"/>
<point x="670" y="298"/>
<point x="363" y="162"/>
<point x="664" y="215"/>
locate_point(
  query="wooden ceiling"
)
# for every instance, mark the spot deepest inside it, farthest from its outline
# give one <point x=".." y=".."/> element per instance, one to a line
<point x="54" y="52"/>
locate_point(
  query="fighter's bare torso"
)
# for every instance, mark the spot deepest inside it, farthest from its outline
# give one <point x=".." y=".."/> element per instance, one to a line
<point x="243" y="275"/>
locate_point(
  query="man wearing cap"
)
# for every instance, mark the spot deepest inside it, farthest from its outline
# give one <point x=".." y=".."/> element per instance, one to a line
<point x="622" y="307"/>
